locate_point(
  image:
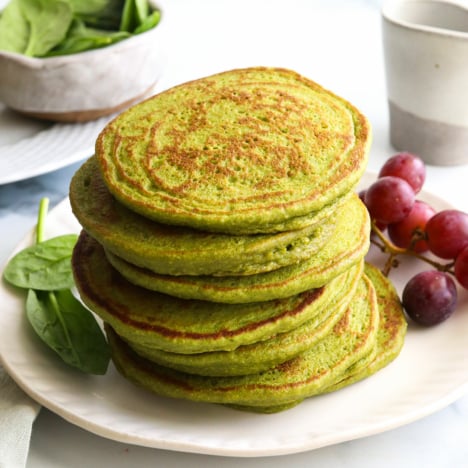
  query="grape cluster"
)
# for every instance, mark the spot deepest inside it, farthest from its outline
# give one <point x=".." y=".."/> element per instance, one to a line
<point x="413" y="228"/>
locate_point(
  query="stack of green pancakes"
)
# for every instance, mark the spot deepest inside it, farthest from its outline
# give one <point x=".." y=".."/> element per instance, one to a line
<point x="223" y="243"/>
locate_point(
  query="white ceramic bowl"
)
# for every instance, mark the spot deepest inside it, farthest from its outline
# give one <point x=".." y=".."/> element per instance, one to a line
<point x="83" y="86"/>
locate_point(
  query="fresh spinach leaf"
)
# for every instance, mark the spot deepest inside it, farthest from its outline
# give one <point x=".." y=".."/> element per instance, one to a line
<point x="128" y="16"/>
<point x="14" y="29"/>
<point x="133" y="15"/>
<point x="45" y="266"/>
<point x="74" y="45"/>
<point x="58" y="318"/>
<point x="141" y="10"/>
<point x="70" y="329"/>
<point x="90" y="7"/>
<point x="49" y="21"/>
<point x="81" y="38"/>
<point x="149" y="22"/>
<point x="44" y="28"/>
<point x="101" y="14"/>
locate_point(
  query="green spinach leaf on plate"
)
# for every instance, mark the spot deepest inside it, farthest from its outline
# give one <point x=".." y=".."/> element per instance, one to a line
<point x="68" y="328"/>
<point x="44" y="266"/>
<point x="55" y="314"/>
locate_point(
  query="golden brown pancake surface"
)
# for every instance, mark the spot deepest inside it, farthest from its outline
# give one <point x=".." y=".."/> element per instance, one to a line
<point x="235" y="151"/>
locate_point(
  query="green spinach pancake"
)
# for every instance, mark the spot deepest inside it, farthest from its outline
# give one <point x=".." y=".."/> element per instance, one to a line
<point x="223" y="244"/>
<point x="239" y="151"/>
<point x="191" y="326"/>
<point x="175" y="250"/>
<point x="347" y="246"/>
<point x="303" y="376"/>
<point x="387" y="346"/>
<point x="259" y="356"/>
<point x="392" y="330"/>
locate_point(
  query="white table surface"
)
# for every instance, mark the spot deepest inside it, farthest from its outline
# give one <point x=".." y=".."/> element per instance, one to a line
<point x="338" y="44"/>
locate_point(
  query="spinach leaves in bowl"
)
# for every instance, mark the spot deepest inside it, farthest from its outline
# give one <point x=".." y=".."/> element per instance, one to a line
<point x="45" y="28"/>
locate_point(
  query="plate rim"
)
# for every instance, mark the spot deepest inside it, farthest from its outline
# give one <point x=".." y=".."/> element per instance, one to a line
<point x="65" y="135"/>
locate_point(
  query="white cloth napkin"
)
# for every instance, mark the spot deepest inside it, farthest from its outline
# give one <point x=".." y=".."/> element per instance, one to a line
<point x="17" y="414"/>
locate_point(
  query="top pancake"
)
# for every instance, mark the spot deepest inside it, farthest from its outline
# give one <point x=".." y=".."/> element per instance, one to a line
<point x="235" y="152"/>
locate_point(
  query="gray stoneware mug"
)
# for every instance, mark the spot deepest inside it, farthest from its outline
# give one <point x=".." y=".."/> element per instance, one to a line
<point x="426" y="62"/>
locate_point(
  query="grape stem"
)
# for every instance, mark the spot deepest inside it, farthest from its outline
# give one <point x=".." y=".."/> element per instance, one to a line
<point x="393" y="251"/>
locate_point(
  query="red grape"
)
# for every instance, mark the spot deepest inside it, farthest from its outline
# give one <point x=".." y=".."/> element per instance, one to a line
<point x="379" y="224"/>
<point x="362" y="195"/>
<point x="402" y="233"/>
<point x="461" y="268"/>
<point x="407" y="166"/>
<point x="430" y="297"/>
<point x="389" y="199"/>
<point x="447" y="233"/>
<point x="415" y="227"/>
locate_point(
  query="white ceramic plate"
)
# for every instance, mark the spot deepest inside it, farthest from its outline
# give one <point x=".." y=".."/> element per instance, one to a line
<point x="29" y="148"/>
<point x="430" y="373"/>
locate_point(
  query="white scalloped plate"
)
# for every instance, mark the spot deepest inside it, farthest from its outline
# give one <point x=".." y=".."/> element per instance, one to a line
<point x="29" y="148"/>
<point x="430" y="373"/>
